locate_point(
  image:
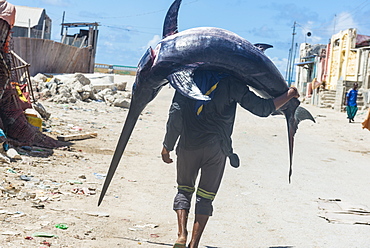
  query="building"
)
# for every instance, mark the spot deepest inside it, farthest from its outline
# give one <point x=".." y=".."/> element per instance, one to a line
<point x="32" y="23"/>
<point x="326" y="72"/>
<point x="310" y="67"/>
<point x="32" y="42"/>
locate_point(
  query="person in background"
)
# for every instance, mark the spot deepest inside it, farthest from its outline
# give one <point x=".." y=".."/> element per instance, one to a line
<point x="366" y="122"/>
<point x="351" y="103"/>
<point x="205" y="129"/>
<point x="7" y="19"/>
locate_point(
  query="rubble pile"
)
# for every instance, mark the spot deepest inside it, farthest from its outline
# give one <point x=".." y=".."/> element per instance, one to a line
<point x="71" y="88"/>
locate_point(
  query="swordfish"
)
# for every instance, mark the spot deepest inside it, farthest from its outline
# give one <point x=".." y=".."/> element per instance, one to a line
<point x="179" y="54"/>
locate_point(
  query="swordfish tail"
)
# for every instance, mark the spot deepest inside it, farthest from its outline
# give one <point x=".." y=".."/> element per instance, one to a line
<point x="293" y="118"/>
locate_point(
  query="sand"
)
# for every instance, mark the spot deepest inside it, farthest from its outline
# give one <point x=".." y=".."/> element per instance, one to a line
<point x="255" y="206"/>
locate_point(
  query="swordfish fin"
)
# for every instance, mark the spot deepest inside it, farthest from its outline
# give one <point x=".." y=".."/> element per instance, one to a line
<point x="130" y="122"/>
<point x="182" y="81"/>
<point x="170" y="22"/>
<point x="303" y="114"/>
<point x="293" y="119"/>
<point x="263" y="47"/>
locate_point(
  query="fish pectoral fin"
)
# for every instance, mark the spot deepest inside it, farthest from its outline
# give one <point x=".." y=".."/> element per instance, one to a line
<point x="182" y="81"/>
<point x="303" y="114"/>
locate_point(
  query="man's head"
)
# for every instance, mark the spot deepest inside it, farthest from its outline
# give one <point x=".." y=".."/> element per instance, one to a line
<point x="355" y="86"/>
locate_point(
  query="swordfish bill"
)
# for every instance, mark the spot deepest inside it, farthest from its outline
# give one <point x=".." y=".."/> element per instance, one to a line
<point x="148" y="83"/>
<point x="176" y="57"/>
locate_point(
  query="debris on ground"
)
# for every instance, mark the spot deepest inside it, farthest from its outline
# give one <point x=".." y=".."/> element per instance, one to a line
<point x="70" y="88"/>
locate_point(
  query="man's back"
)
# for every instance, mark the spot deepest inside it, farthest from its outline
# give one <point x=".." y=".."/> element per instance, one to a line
<point x="205" y="122"/>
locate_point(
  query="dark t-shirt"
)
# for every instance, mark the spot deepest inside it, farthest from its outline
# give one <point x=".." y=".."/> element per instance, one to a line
<point x="216" y="120"/>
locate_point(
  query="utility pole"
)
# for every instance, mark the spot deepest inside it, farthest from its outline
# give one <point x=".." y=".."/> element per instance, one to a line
<point x="291" y="58"/>
<point x="61" y="31"/>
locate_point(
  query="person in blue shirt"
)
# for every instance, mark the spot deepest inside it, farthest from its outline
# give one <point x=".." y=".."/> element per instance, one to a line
<point x="351" y="102"/>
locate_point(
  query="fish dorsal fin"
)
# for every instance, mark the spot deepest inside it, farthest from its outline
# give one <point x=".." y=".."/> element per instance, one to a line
<point x="263" y="47"/>
<point x="182" y="80"/>
<point x="170" y="22"/>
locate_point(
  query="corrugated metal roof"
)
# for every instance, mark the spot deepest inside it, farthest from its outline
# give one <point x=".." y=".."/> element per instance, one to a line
<point x="24" y="13"/>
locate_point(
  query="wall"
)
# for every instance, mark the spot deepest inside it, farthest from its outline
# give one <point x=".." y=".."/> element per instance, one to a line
<point x="343" y="62"/>
<point x="116" y="69"/>
<point x="47" y="56"/>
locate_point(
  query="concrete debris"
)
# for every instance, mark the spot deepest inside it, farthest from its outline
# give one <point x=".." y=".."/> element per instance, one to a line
<point x="77" y="136"/>
<point x="41" y="110"/>
<point x="13" y="154"/>
<point x="70" y="88"/>
<point x="121" y="86"/>
<point x="123" y="103"/>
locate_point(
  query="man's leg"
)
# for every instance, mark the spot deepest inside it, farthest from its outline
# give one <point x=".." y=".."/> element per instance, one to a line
<point x="212" y="172"/>
<point x="198" y="228"/>
<point x="182" y="220"/>
<point x="187" y="171"/>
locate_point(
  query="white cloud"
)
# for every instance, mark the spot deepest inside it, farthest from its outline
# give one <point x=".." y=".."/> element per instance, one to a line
<point x="56" y="2"/>
<point x="108" y="44"/>
<point x="315" y="36"/>
<point x="153" y="42"/>
<point x="322" y="32"/>
<point x="281" y="64"/>
<point x="344" y="21"/>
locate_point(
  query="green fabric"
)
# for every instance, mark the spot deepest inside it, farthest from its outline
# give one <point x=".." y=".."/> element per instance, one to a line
<point x="351" y="112"/>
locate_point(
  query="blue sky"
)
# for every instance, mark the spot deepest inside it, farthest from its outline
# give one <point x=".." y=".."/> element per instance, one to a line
<point x="129" y="27"/>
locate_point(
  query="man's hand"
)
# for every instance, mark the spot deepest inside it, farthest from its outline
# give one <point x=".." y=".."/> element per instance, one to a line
<point x="166" y="156"/>
<point x="284" y="98"/>
<point x="293" y="92"/>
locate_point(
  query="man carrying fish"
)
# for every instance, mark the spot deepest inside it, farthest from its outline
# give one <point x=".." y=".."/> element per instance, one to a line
<point x="211" y="70"/>
<point x="205" y="129"/>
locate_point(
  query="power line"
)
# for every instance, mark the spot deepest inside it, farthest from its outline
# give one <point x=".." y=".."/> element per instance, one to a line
<point x="128" y="29"/>
<point x="139" y="14"/>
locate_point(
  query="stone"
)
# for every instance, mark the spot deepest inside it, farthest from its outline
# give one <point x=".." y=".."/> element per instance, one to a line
<point x="122" y="103"/>
<point x="76" y="95"/>
<point x="46" y="93"/>
<point x="109" y="99"/>
<point x="82" y="79"/>
<point x="4" y="159"/>
<point x="41" y="110"/>
<point x="121" y="86"/>
<point x="85" y="95"/>
<point x="40" y="77"/>
<point x="78" y="87"/>
<point x="53" y="89"/>
<point x="13" y="154"/>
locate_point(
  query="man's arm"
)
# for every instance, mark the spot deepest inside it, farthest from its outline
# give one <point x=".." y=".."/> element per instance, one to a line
<point x="260" y="106"/>
<point x="173" y="128"/>
<point x="284" y="98"/>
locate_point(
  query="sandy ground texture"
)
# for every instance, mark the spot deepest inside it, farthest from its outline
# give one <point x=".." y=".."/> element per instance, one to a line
<point x="255" y="206"/>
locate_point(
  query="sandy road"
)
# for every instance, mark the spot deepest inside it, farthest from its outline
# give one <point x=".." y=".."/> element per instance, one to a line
<point x="255" y="206"/>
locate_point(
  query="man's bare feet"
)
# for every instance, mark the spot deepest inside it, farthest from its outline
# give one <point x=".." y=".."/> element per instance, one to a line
<point x="182" y="237"/>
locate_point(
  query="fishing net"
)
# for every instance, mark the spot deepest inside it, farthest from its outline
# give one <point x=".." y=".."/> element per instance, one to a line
<point x="13" y="101"/>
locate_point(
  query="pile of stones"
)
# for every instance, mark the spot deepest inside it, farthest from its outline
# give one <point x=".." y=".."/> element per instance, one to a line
<point x="70" y="88"/>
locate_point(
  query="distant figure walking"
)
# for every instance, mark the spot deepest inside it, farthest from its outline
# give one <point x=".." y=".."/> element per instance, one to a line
<point x="351" y="102"/>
